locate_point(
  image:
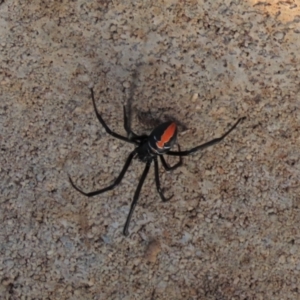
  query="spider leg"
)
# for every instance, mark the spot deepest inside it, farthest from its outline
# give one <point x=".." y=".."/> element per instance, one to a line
<point x="108" y="130"/>
<point x="205" y="145"/>
<point x="130" y="133"/>
<point x="167" y="166"/>
<point x="159" y="190"/>
<point x="136" y="197"/>
<point x="113" y="185"/>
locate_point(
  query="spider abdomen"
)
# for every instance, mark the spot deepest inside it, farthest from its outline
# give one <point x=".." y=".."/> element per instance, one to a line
<point x="163" y="137"/>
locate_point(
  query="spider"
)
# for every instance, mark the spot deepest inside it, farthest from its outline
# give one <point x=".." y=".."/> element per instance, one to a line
<point x="148" y="148"/>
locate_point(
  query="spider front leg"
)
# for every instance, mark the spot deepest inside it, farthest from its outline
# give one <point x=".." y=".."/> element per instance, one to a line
<point x="130" y="134"/>
<point x="205" y="145"/>
<point x="113" y="185"/>
<point x="157" y="181"/>
<point x="108" y="130"/>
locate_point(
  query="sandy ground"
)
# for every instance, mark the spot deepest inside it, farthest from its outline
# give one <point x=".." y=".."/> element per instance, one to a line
<point x="232" y="229"/>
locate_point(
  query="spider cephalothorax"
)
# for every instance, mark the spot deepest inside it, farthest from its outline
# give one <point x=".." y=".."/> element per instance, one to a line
<point x="148" y="148"/>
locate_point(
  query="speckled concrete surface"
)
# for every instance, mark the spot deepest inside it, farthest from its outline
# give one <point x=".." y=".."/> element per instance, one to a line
<point x="232" y="229"/>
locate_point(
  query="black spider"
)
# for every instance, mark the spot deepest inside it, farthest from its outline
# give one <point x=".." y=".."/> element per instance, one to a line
<point x="148" y="148"/>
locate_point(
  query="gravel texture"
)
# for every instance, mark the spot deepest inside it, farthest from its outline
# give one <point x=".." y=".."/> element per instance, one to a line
<point x="232" y="229"/>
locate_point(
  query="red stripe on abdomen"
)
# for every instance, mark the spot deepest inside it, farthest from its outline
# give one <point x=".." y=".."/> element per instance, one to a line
<point x="167" y="135"/>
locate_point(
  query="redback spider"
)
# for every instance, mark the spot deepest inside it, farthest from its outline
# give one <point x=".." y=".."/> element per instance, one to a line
<point x="148" y="148"/>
